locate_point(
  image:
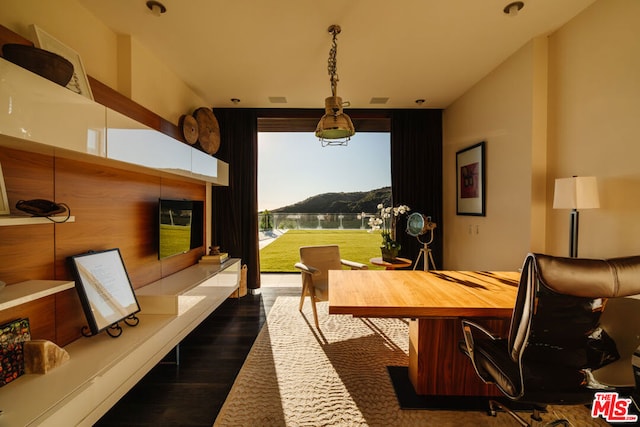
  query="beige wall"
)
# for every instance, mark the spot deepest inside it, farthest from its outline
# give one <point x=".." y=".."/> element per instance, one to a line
<point x="594" y="126"/>
<point x="500" y="111"/>
<point x="116" y="60"/>
<point x="586" y="123"/>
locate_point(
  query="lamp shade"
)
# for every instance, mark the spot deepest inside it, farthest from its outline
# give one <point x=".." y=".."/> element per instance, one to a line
<point x="578" y="192"/>
<point x="335" y="124"/>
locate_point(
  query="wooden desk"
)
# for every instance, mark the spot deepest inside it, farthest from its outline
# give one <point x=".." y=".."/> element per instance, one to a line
<point x="435" y="301"/>
<point x="399" y="263"/>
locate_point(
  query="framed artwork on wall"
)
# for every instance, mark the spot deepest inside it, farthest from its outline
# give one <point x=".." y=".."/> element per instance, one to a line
<point x="79" y="82"/>
<point x="4" y="200"/>
<point x="470" y="180"/>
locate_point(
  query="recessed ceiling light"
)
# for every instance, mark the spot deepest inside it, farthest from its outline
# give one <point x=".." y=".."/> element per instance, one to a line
<point x="513" y="8"/>
<point x="156" y="7"/>
<point x="235" y="101"/>
<point x="420" y="101"/>
<point x="379" y="100"/>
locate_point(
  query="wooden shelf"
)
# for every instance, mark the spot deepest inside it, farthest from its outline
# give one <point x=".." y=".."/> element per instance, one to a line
<point x="20" y="293"/>
<point x="30" y="220"/>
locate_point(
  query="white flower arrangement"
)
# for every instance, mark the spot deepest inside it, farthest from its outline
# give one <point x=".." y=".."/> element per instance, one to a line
<point x="386" y="221"/>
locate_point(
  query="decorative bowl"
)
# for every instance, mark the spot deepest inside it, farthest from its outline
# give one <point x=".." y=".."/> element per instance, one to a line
<point x="42" y="62"/>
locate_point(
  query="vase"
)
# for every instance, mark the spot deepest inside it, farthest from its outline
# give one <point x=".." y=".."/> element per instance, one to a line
<point x="389" y="254"/>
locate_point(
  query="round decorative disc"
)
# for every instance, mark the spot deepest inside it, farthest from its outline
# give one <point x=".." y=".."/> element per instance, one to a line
<point x="189" y="127"/>
<point x="208" y="130"/>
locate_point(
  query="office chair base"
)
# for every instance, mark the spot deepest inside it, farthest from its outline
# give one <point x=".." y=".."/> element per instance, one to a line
<point x="493" y="404"/>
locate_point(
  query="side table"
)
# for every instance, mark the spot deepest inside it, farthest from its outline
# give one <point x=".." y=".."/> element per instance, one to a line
<point x="398" y="263"/>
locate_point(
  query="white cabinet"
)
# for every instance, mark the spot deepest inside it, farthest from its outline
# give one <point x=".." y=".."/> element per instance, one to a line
<point x="132" y="142"/>
<point x="205" y="167"/>
<point x="35" y="109"/>
<point x="40" y="116"/>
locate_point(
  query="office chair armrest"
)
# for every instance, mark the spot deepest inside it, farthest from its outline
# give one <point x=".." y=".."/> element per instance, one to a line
<point x="306" y="269"/>
<point x="468" y="329"/>
<point x="354" y="265"/>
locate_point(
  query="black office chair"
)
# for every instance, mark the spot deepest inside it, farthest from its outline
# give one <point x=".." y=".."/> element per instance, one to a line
<point x="555" y="340"/>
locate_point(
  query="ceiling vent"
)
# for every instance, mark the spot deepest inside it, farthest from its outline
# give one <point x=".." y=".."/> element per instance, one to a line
<point x="277" y="99"/>
<point x="379" y="100"/>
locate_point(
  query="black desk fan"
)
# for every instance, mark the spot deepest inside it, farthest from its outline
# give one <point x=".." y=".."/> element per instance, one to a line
<point x="418" y="225"/>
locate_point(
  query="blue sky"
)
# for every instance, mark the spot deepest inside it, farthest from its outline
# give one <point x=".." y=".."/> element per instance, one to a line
<point x="294" y="166"/>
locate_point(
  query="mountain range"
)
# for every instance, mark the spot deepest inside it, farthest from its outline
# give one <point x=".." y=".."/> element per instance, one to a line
<point x="353" y="202"/>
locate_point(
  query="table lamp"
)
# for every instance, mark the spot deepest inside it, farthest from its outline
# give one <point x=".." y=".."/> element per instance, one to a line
<point x="578" y="192"/>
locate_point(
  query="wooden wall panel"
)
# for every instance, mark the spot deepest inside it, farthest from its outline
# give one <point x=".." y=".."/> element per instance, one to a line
<point x="26" y="176"/>
<point x="26" y="251"/>
<point x="69" y="317"/>
<point x="41" y="314"/>
<point x="113" y="209"/>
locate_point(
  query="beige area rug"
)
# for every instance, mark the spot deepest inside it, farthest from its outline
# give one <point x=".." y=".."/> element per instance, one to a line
<point x="297" y="376"/>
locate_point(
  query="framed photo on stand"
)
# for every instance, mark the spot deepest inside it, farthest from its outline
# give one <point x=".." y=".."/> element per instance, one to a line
<point x="79" y="82"/>
<point x="105" y="291"/>
<point x="470" y="180"/>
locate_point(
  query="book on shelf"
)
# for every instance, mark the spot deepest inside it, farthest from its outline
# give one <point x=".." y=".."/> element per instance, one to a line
<point x="12" y="338"/>
<point x="215" y="259"/>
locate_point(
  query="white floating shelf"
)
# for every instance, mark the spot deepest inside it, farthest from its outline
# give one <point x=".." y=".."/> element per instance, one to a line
<point x="20" y="293"/>
<point x="30" y="220"/>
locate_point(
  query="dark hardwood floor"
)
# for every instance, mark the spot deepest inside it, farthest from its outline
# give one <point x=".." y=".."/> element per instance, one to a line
<point x="192" y="393"/>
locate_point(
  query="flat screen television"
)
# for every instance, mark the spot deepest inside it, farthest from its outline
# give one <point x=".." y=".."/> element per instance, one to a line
<point x="180" y="226"/>
<point x="104" y="289"/>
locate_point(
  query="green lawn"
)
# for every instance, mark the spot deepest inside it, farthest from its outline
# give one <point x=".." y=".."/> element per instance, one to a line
<point x="355" y="245"/>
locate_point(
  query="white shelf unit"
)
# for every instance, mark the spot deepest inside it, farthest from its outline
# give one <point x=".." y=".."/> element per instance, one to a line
<point x="30" y="220"/>
<point x="102" y="369"/>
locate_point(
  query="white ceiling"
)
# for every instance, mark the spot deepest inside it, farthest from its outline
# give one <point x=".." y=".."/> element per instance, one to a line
<point x="402" y="49"/>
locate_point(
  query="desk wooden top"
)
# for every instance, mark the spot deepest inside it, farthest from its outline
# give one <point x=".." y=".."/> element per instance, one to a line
<point x="415" y="294"/>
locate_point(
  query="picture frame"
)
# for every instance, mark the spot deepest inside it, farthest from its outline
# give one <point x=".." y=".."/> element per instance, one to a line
<point x="105" y="291"/>
<point x="4" y="200"/>
<point x="470" y="180"/>
<point x="79" y="82"/>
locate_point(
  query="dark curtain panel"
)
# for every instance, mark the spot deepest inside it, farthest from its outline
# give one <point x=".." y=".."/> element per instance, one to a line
<point x="416" y="174"/>
<point x="235" y="208"/>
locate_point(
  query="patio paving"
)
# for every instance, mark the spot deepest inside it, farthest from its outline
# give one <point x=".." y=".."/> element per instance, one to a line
<point x="280" y="280"/>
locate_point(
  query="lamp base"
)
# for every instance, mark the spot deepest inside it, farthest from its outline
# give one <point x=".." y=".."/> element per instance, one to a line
<point x="574" y="218"/>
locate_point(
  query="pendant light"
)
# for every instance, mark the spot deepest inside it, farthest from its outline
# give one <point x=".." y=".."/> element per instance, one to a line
<point x="335" y="127"/>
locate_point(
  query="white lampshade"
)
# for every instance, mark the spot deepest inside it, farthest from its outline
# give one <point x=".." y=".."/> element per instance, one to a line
<point x="578" y="192"/>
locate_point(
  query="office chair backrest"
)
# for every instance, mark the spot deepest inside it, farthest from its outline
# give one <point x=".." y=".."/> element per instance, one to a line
<point x="559" y="304"/>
